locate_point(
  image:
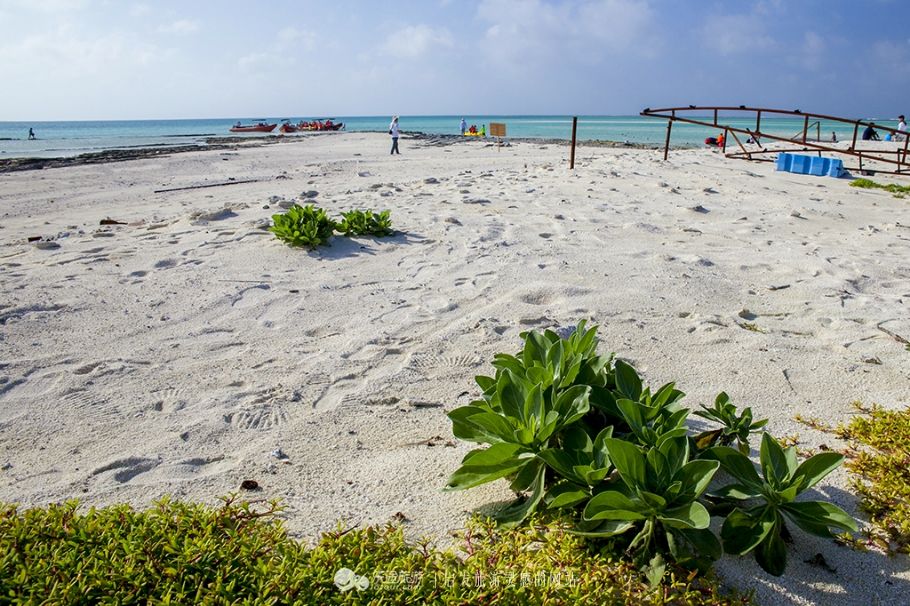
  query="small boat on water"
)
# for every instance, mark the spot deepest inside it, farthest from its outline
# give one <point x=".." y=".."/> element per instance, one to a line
<point x="287" y="127"/>
<point x="262" y="127"/>
<point x="320" y="125"/>
<point x="329" y="125"/>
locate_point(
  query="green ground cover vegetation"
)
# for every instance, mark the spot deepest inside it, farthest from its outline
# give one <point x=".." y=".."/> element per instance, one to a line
<point x="182" y="553"/>
<point x="878" y="455"/>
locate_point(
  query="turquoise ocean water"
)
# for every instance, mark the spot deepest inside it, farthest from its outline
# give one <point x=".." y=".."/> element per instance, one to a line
<point x="72" y="138"/>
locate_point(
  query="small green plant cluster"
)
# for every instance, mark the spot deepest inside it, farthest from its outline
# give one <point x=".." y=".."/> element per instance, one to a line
<point x="303" y="226"/>
<point x="880" y="458"/>
<point x="734" y="427"/>
<point x="365" y="223"/>
<point x="180" y="553"/>
<point x="579" y="432"/>
<point x="899" y="191"/>
<point x="310" y="226"/>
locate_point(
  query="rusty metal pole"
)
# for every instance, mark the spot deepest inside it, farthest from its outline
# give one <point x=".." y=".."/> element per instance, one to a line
<point x="572" y="151"/>
<point x="805" y="128"/>
<point x="855" y="130"/>
<point x="906" y="141"/>
<point x="758" y="122"/>
<point x="667" y="143"/>
<point x="724" y="148"/>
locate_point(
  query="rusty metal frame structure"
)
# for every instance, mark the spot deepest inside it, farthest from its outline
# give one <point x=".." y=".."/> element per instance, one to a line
<point x="897" y="160"/>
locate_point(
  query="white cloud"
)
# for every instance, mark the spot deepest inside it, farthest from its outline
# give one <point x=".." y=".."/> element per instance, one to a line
<point x="266" y="62"/>
<point x="736" y="34"/>
<point x="282" y="54"/>
<point x="416" y="40"/>
<point x="182" y="26"/>
<point x="290" y="37"/>
<point x="44" y="6"/>
<point x="618" y="24"/>
<point x="65" y="53"/>
<point x="140" y="10"/>
<point x="893" y="57"/>
<point x="813" y="50"/>
<point x="525" y="33"/>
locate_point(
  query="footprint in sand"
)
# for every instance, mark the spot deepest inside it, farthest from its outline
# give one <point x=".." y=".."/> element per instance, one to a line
<point x="432" y="360"/>
<point x="169" y="399"/>
<point x="538" y="297"/>
<point x="437" y="304"/>
<point x="128" y="468"/>
<point x="166" y="264"/>
<point x="265" y="409"/>
<point x="250" y="296"/>
<point x="261" y="417"/>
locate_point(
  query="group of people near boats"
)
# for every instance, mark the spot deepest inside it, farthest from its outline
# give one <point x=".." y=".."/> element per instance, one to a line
<point x="328" y="124"/>
<point x="472" y="131"/>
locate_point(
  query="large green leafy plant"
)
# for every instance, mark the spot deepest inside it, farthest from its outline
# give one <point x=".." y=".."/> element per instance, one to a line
<point x="577" y="431"/>
<point x="523" y="410"/>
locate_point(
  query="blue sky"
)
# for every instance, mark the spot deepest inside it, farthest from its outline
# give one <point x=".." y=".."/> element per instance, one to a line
<point x="106" y="59"/>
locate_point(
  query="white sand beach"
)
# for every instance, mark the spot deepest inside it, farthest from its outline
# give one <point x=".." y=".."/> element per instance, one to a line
<point x="180" y="352"/>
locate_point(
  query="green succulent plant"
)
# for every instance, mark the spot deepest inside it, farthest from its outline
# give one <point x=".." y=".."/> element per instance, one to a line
<point x="658" y="500"/>
<point x="303" y="226"/>
<point x="365" y="223"/>
<point x="533" y="396"/>
<point x="580" y="433"/>
<point x="519" y="419"/>
<point x="762" y="527"/>
<point x="584" y="465"/>
<point x="636" y="412"/>
<point x="736" y="428"/>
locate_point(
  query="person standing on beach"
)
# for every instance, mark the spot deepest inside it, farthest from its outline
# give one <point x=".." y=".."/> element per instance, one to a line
<point x="393" y="130"/>
<point x="31" y="134"/>
<point x="464" y="126"/>
<point x="901" y="128"/>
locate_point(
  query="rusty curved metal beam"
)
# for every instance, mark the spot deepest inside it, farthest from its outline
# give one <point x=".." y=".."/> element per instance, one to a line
<point x="899" y="163"/>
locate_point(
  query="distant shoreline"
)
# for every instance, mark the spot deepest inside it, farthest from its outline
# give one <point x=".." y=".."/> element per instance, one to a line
<point x="9" y="165"/>
<point x="123" y="155"/>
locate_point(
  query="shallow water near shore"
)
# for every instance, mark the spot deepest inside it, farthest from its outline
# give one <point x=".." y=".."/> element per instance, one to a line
<point x="62" y="139"/>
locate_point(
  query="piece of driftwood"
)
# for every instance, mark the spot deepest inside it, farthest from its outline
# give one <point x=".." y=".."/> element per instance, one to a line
<point x="893" y="335"/>
<point x="161" y="191"/>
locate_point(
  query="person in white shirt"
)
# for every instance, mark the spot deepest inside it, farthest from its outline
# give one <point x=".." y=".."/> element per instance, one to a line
<point x="393" y="130"/>
<point x="901" y="127"/>
<point x="464" y="126"/>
